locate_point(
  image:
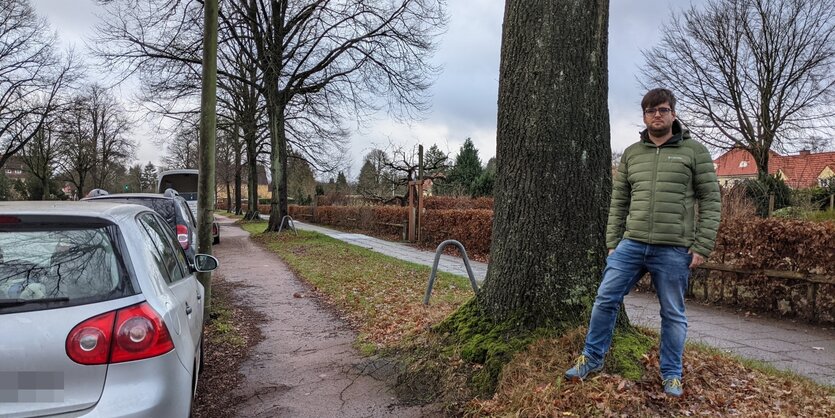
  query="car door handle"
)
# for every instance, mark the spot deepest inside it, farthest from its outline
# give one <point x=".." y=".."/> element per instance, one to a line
<point x="188" y="309"/>
<point x="198" y="296"/>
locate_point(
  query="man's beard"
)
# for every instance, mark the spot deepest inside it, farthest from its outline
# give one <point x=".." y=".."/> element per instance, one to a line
<point x="659" y="132"/>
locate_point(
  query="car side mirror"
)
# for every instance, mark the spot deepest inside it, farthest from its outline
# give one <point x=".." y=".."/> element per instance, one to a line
<point x="205" y="263"/>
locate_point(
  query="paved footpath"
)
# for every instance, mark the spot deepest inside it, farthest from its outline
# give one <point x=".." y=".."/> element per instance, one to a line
<point x="806" y="349"/>
<point x="306" y="365"/>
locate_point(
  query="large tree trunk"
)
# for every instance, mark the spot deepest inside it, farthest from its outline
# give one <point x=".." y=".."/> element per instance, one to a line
<point x="45" y="188"/>
<point x="238" y="185"/>
<point x="278" y="204"/>
<point x="760" y="155"/>
<point x="553" y="163"/>
<point x="208" y="135"/>
<point x="277" y="103"/>
<point x="252" y="178"/>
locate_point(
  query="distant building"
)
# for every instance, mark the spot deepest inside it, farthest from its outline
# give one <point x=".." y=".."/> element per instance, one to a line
<point x="798" y="171"/>
<point x="14" y="169"/>
<point x="264" y="191"/>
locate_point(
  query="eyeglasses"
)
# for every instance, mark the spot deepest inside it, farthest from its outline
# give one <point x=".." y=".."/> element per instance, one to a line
<point x="662" y="110"/>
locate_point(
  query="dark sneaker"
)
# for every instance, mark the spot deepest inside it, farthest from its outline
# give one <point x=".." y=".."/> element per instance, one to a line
<point x="673" y="386"/>
<point x="582" y="368"/>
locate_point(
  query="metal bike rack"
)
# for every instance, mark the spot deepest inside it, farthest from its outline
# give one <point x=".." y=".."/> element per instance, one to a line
<point x="291" y="224"/>
<point x="438" y="253"/>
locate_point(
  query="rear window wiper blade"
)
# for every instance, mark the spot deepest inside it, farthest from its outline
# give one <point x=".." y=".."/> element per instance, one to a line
<point x="17" y="302"/>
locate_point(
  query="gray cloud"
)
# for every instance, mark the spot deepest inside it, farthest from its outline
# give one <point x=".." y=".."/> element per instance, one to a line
<point x="464" y="95"/>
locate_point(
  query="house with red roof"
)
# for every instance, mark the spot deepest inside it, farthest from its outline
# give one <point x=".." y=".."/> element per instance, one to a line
<point x="800" y="171"/>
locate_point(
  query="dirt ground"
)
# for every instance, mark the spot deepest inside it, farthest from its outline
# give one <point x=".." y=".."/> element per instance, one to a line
<point x="305" y="366"/>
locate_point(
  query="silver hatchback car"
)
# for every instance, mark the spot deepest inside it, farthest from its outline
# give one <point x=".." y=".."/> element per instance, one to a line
<point x="100" y="312"/>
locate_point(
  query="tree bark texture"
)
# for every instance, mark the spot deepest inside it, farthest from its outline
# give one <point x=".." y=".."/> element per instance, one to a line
<point x="553" y="161"/>
<point x="208" y="136"/>
<point x="278" y="204"/>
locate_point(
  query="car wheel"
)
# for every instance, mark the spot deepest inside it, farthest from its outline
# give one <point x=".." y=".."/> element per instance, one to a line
<point x="216" y="240"/>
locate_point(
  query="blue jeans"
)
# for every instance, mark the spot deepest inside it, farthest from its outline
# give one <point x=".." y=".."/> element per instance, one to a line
<point x="669" y="268"/>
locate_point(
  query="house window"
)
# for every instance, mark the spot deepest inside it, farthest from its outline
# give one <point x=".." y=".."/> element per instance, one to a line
<point x="827" y="182"/>
<point x="743" y="164"/>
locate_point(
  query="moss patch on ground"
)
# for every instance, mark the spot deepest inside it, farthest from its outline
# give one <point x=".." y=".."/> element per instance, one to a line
<point x="629" y="349"/>
<point x="470" y="334"/>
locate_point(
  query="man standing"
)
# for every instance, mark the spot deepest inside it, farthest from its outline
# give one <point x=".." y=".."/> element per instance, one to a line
<point x="653" y="228"/>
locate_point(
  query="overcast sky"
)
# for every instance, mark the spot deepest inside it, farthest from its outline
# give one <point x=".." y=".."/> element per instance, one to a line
<point x="465" y="94"/>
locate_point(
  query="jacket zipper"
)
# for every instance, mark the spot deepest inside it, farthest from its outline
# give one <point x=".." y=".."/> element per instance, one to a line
<point x="652" y="198"/>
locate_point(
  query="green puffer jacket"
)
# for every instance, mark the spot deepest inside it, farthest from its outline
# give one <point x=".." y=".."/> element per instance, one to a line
<point x="655" y="191"/>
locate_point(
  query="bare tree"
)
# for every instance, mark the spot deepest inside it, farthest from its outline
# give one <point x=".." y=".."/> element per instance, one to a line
<point x="243" y="111"/>
<point x="229" y="164"/>
<point x="77" y="149"/>
<point x="316" y="61"/>
<point x="396" y="171"/>
<point x="40" y="155"/>
<point x="94" y="142"/>
<point x="319" y="58"/>
<point x="110" y="128"/>
<point x="754" y="74"/>
<point x="182" y="148"/>
<point x="31" y="76"/>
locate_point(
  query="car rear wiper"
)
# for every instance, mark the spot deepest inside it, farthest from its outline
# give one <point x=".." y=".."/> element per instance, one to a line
<point x="17" y="302"/>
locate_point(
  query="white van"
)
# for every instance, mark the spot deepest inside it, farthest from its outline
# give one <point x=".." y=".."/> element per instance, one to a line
<point x="185" y="181"/>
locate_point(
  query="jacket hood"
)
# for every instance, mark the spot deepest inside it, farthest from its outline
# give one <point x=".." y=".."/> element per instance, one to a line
<point x="679" y="134"/>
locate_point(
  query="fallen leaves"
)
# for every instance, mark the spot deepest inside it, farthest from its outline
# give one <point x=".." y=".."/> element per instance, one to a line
<point x="715" y="385"/>
<point x="383" y="301"/>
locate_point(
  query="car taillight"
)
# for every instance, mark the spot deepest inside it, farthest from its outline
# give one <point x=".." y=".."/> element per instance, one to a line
<point x="89" y="341"/>
<point x="214" y="229"/>
<point x="140" y="333"/>
<point x="182" y="236"/>
<point x="132" y="333"/>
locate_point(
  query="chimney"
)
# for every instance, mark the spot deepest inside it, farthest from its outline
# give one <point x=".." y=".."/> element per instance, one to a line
<point x="805" y="152"/>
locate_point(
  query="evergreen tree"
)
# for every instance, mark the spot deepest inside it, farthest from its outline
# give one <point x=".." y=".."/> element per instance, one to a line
<point x="436" y="162"/>
<point x="300" y="181"/>
<point x="133" y="179"/>
<point x="341" y="183"/>
<point x="483" y="185"/>
<point x="148" y="178"/>
<point x="466" y="170"/>
<point x="368" y="181"/>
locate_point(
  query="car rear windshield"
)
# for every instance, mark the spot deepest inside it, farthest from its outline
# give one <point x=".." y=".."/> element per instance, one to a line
<point x="49" y="266"/>
<point x="188" y="195"/>
<point x="160" y="205"/>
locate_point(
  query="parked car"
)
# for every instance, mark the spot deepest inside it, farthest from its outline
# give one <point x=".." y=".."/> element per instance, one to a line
<point x="100" y="312"/>
<point x="173" y="208"/>
<point x="185" y="181"/>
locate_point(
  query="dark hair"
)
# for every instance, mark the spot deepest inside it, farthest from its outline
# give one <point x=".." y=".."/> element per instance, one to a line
<point x="655" y="97"/>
